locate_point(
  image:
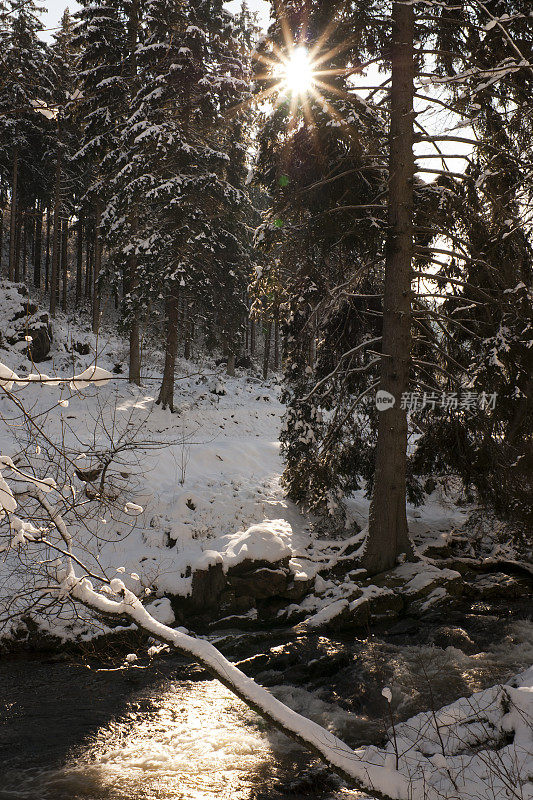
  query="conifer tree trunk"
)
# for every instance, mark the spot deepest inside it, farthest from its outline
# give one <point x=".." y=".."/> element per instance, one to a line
<point x="54" y="277"/>
<point x="13" y="216"/>
<point x="47" y="251"/>
<point x="64" y="262"/>
<point x="230" y="368"/>
<point x="266" y="354"/>
<point x="97" y="265"/>
<point x="38" y="245"/>
<point x="187" y="327"/>
<point x="276" y="345"/>
<point x="252" y="337"/>
<point x="1" y="236"/>
<point x="24" y="234"/>
<point x="18" y="232"/>
<point x="79" y="261"/>
<point x="134" y="372"/>
<point x="89" y="249"/>
<point x="166" y="393"/>
<point x="135" y="338"/>
<point x="388" y="535"/>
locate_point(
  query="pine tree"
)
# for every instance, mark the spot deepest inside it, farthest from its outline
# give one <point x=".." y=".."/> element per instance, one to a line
<point x="25" y="87"/>
<point x="102" y="42"/>
<point x="61" y="149"/>
<point x="419" y="217"/>
<point x="487" y="319"/>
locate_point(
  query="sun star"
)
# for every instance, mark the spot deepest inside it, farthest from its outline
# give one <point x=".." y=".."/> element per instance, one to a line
<point x="297" y="72"/>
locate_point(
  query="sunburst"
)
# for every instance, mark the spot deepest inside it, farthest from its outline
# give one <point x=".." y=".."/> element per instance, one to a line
<point x="299" y="70"/>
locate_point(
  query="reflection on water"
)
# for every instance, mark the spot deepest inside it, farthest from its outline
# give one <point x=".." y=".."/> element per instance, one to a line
<point x="196" y="742"/>
<point x="70" y="731"/>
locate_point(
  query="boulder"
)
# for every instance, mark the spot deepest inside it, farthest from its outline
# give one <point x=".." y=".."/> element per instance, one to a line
<point x="24" y="321"/>
<point x="260" y="583"/>
<point x="207" y="585"/>
<point x="41" y="333"/>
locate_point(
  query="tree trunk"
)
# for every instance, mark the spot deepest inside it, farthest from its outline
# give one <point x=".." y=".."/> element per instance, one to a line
<point x="97" y="265"/>
<point x="18" y="233"/>
<point x="135" y="339"/>
<point x="134" y="375"/>
<point x="79" y="261"/>
<point x="230" y="368"/>
<point x="13" y="216"/>
<point x="47" y="253"/>
<point x="187" y="327"/>
<point x="24" y="247"/>
<point x="252" y="337"/>
<point x="38" y="246"/>
<point x="388" y="535"/>
<point x="1" y="236"/>
<point x="166" y="393"/>
<point x="54" y="277"/>
<point x="276" y="346"/>
<point x="266" y="354"/>
<point x="89" y="250"/>
<point x="64" y="262"/>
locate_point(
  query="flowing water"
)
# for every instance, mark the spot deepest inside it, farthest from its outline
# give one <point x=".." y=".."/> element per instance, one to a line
<point x="83" y="729"/>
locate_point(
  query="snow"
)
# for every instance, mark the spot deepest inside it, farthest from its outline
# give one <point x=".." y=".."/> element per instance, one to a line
<point x="202" y="499"/>
<point x="268" y="541"/>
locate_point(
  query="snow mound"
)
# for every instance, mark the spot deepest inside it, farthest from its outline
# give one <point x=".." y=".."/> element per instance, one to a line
<point x="267" y="541"/>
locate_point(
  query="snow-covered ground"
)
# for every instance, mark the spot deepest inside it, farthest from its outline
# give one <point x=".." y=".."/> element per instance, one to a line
<point x="182" y="491"/>
<point x="202" y="486"/>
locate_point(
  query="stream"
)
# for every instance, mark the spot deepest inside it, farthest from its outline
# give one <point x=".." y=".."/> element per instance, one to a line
<point x="88" y="728"/>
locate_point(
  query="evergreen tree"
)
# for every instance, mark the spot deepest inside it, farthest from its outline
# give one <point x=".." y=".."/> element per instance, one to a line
<point x="25" y="87"/>
<point x="488" y="319"/>
<point x="102" y="42"/>
<point x="418" y="218"/>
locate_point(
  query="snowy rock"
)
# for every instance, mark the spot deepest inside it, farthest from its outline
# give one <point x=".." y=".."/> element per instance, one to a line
<point x="207" y="585"/>
<point x="260" y="583"/>
<point x="23" y="324"/>
<point x="266" y="542"/>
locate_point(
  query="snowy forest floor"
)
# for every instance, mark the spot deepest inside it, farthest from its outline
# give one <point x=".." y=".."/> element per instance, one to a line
<point x="207" y="479"/>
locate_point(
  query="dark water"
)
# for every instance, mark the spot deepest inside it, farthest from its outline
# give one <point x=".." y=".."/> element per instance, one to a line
<point x="83" y="729"/>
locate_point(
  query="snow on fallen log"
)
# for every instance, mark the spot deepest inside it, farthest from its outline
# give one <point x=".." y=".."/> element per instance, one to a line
<point x="92" y="374"/>
<point x="386" y="783"/>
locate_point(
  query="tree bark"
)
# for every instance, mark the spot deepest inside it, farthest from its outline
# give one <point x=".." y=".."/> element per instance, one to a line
<point x="97" y="265"/>
<point x="89" y="250"/>
<point x="388" y="535"/>
<point x="134" y="375"/>
<point x="188" y="328"/>
<point x="18" y="233"/>
<point x="266" y="354"/>
<point x="38" y="255"/>
<point x="166" y="393"/>
<point x="252" y="337"/>
<point x="79" y="261"/>
<point x="54" y="277"/>
<point x="47" y="253"/>
<point x="230" y="368"/>
<point x="276" y="346"/>
<point x="13" y="215"/>
<point x="1" y="236"/>
<point x="64" y="263"/>
<point x="24" y="234"/>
